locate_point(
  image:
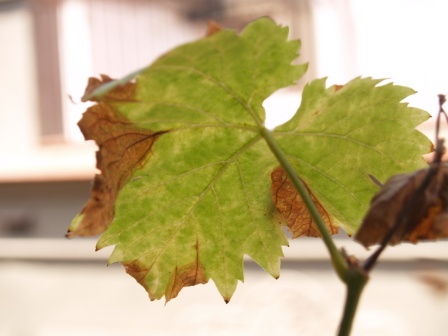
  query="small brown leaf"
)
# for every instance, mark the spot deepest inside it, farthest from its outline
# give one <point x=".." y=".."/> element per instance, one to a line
<point x="290" y="205"/>
<point x="426" y="221"/>
<point x="122" y="149"/>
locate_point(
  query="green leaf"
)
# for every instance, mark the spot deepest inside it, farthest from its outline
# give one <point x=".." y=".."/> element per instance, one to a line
<point x="200" y="200"/>
<point x="341" y="135"/>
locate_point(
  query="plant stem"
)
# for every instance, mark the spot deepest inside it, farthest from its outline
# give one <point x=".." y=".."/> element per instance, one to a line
<point x="356" y="280"/>
<point x="337" y="259"/>
<point x="347" y="268"/>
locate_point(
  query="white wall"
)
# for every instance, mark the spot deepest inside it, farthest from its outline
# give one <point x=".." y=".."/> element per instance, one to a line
<point x="401" y="40"/>
<point x="18" y="96"/>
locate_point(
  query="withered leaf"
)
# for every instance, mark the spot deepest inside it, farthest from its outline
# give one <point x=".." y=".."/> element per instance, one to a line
<point x="426" y="221"/>
<point x="290" y="205"/>
<point x="123" y="147"/>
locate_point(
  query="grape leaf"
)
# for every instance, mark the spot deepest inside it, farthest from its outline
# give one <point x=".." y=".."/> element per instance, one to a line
<point x="201" y="200"/>
<point x="342" y="134"/>
<point x="185" y="191"/>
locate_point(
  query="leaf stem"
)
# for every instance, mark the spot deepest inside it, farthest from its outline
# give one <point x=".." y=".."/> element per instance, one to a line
<point x="337" y="259"/>
<point x="356" y="280"/>
<point x="346" y="267"/>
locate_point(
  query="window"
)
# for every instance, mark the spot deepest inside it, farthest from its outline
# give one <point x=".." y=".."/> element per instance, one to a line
<point x="55" y="45"/>
<point x="77" y="39"/>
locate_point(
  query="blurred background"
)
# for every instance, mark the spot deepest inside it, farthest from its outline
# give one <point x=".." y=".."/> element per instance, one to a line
<point x="53" y="286"/>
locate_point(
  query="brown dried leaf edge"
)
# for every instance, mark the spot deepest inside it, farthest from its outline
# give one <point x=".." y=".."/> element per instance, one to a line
<point x="122" y="149"/>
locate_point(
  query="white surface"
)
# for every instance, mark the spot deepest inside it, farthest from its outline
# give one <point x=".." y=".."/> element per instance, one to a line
<point x="72" y="298"/>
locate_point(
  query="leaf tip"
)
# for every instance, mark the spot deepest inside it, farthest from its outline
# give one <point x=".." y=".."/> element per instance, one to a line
<point x="185" y="276"/>
<point x="105" y="87"/>
<point x="76" y="222"/>
<point x="212" y="28"/>
<point x="93" y="85"/>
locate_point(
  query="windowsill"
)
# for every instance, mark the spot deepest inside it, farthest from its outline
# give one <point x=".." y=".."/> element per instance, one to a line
<point x="50" y="163"/>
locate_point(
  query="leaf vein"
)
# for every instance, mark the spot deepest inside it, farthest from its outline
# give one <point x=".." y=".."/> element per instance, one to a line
<point x="327" y="176"/>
